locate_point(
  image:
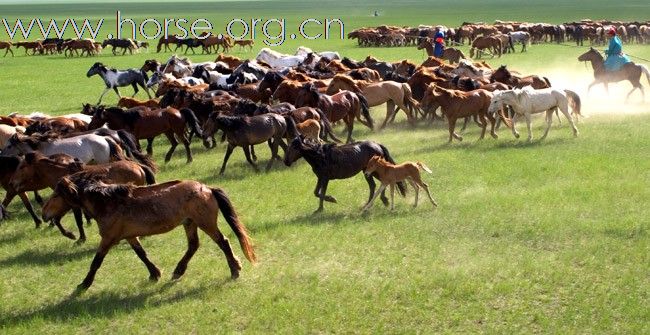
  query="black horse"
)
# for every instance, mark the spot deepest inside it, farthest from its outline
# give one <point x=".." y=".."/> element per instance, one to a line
<point x="330" y="161"/>
<point x="125" y="44"/>
<point x="189" y="43"/>
<point x="119" y="78"/>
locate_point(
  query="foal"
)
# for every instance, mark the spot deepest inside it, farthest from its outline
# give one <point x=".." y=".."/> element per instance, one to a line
<point x="390" y="174"/>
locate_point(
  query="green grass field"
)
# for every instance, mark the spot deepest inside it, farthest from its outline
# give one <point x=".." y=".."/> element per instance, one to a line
<point x="541" y="237"/>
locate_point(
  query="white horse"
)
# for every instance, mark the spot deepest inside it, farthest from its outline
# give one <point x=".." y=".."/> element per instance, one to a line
<point x="87" y="148"/>
<point x="158" y="77"/>
<point x="278" y="60"/>
<point x="522" y="37"/>
<point x="6" y="132"/>
<point x="527" y="101"/>
<point x="183" y="67"/>
<point x="329" y="55"/>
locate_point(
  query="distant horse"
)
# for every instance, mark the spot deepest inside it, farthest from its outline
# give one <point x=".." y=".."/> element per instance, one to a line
<point x="189" y="43"/>
<point x="630" y="72"/>
<point x="278" y="60"/>
<point x="145" y="123"/>
<point x="482" y="43"/>
<point x="119" y="212"/>
<point x="520" y="37"/>
<point x="125" y="44"/>
<point x="6" y="45"/>
<point x="73" y="46"/>
<point x="329" y="161"/>
<point x="245" y="43"/>
<point x="232" y="61"/>
<point x="344" y="105"/>
<point x="115" y="78"/>
<point x="528" y="101"/>
<point x="127" y="102"/>
<point x="87" y="147"/>
<point x="244" y="131"/>
<point x="37" y="172"/>
<point x="165" y="42"/>
<point x="35" y="47"/>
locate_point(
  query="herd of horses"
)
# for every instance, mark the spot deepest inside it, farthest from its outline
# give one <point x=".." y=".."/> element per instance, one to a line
<point x="93" y="161"/>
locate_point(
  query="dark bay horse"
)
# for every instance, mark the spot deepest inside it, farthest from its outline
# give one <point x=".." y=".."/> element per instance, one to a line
<point x="145" y="123"/>
<point x="37" y="172"/>
<point x="125" y="44"/>
<point x="330" y="161"/>
<point x="119" y="212"/>
<point x="630" y="72"/>
<point x="344" y="105"/>
<point x="8" y="166"/>
<point x="244" y="131"/>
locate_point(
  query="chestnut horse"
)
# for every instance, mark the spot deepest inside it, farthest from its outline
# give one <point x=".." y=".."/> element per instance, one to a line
<point x="344" y="105"/>
<point x="389" y="92"/>
<point x="630" y="72"/>
<point x="166" y="41"/>
<point x="8" y="166"/>
<point x="119" y="212"/>
<point x="37" y="172"/>
<point x="145" y="123"/>
<point x="128" y="102"/>
<point x="7" y="46"/>
<point x="482" y="43"/>
<point x="503" y="75"/>
<point x="459" y="104"/>
<point x="60" y="124"/>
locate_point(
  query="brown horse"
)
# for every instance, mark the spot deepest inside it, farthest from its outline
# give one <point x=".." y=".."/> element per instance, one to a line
<point x="287" y="91"/>
<point x="244" y="131"/>
<point x="37" y="172"/>
<point x="8" y="166"/>
<point x="59" y="124"/>
<point x="458" y="104"/>
<point x="7" y="45"/>
<point x="16" y="120"/>
<point x="119" y="212"/>
<point x="85" y="45"/>
<point x="389" y="92"/>
<point x="232" y="61"/>
<point x="482" y="43"/>
<point x="503" y="75"/>
<point x="128" y="102"/>
<point x="630" y="72"/>
<point x="145" y="123"/>
<point x="166" y="41"/>
<point x="344" y="105"/>
<point x="215" y="42"/>
<point x="245" y="43"/>
<point x="35" y="47"/>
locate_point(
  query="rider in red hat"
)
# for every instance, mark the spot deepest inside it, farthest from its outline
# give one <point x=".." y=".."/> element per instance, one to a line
<point x="615" y="57"/>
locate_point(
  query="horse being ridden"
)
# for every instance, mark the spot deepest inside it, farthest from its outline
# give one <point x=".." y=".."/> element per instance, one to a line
<point x="115" y="78"/>
<point x="630" y="72"/>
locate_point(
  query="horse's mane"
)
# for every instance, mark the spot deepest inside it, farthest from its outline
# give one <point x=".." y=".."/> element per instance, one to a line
<point x="229" y="122"/>
<point x="92" y="185"/>
<point x="451" y="93"/>
<point x="348" y="81"/>
<point x="130" y="116"/>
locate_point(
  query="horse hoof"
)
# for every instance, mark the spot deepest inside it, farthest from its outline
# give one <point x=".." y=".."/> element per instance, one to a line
<point x="70" y="235"/>
<point x="516" y="135"/>
<point x="318" y="211"/>
<point x="80" y="241"/>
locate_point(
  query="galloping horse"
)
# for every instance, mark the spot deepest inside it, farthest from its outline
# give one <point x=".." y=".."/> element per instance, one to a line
<point x="330" y="161"/>
<point x="145" y="123"/>
<point x="114" y="78"/>
<point x="630" y="71"/>
<point x="528" y="101"/>
<point x="118" y="210"/>
<point x="7" y="46"/>
<point x="344" y="105"/>
<point x="126" y="44"/>
<point x="8" y="166"/>
<point x="390" y="92"/>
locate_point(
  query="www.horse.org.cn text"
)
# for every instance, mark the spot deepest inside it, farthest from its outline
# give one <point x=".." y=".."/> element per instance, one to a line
<point x="274" y="30"/>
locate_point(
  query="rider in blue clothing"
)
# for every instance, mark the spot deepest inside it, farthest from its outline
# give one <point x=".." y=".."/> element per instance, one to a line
<point x="615" y="57"/>
<point x="439" y="43"/>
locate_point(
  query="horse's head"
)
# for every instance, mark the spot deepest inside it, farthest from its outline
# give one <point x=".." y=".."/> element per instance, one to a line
<point x="307" y="95"/>
<point x="429" y="101"/>
<point x="98" y="118"/>
<point x="372" y="165"/>
<point x="97" y="68"/>
<point x="294" y="150"/>
<point x="26" y="171"/>
<point x="106" y="43"/>
<point x="591" y="55"/>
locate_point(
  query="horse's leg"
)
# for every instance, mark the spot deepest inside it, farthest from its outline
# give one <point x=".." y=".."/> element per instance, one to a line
<point x="591" y="85"/>
<point x="417" y="191"/>
<point x="225" y="158"/>
<point x="483" y="126"/>
<point x="549" y="121"/>
<point x="373" y="197"/>
<point x="78" y="218"/>
<point x="349" y="122"/>
<point x="274" y="153"/>
<point x="283" y="146"/>
<point x="192" y="246"/>
<point x="323" y="194"/>
<point x="253" y="155"/>
<point x="30" y="209"/>
<point x="186" y="144"/>
<point x="452" y="126"/>
<point x="492" y="126"/>
<point x="135" y="89"/>
<point x="565" y="111"/>
<point x="514" y="128"/>
<point x="103" y="94"/>
<point x="465" y="124"/>
<point x="390" y="113"/>
<point x="173" y="142"/>
<point x="529" y="126"/>
<point x="212" y="230"/>
<point x="64" y="232"/>
<point x="154" y="272"/>
<point x="392" y="196"/>
<point x="247" y="153"/>
<point x="149" y="146"/>
<point x="38" y="198"/>
<point x="627" y="97"/>
<point x="104" y="246"/>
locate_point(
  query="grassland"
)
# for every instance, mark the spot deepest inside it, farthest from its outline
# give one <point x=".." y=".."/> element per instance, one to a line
<point x="546" y="237"/>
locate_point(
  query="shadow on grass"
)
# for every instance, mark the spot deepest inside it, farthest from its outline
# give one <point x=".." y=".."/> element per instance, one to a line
<point x="39" y="257"/>
<point x="106" y="304"/>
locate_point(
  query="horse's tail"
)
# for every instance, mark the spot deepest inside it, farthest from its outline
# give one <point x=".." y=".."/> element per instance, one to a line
<point x="192" y="121"/>
<point x="423" y="167"/>
<point x="228" y="211"/>
<point x="365" y="110"/>
<point x="505" y="118"/>
<point x="645" y="70"/>
<point x="511" y="44"/>
<point x="130" y="147"/>
<point x="548" y="82"/>
<point x="115" y="151"/>
<point x="400" y="185"/>
<point x="326" y="125"/>
<point x="409" y="102"/>
<point x="149" y="174"/>
<point x="575" y="101"/>
<point x="145" y="76"/>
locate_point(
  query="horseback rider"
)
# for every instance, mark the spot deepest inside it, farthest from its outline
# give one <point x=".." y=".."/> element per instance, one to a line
<point x="615" y="56"/>
<point x="438" y="43"/>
